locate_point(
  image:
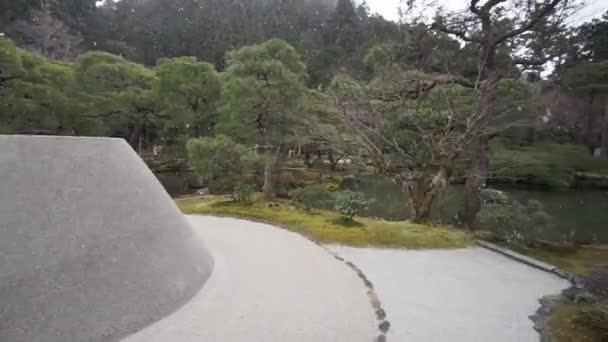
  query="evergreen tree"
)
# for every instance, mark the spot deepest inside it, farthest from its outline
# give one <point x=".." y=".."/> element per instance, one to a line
<point x="263" y="87"/>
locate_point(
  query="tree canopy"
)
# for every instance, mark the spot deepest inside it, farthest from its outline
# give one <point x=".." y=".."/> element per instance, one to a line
<point x="421" y="103"/>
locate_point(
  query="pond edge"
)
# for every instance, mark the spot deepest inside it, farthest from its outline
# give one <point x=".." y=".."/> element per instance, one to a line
<point x="540" y="265"/>
<point x="547" y="303"/>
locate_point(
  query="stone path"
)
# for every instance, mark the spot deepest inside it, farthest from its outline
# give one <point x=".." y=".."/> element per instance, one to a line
<point x="268" y="285"/>
<point x="463" y="295"/>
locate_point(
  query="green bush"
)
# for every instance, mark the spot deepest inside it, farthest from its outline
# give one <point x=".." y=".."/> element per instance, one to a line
<point x="550" y="164"/>
<point x="332" y="183"/>
<point x="511" y="220"/>
<point x="244" y="194"/>
<point x="349" y="204"/>
<point x="314" y="196"/>
<point x="222" y="162"/>
<point x="596" y="317"/>
<point x="285" y="182"/>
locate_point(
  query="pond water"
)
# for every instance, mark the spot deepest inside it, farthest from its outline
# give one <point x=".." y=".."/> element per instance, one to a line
<point x="581" y="215"/>
<point x="179" y="183"/>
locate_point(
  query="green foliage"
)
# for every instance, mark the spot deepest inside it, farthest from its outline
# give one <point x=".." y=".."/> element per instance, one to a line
<point x="594" y="38"/>
<point x="189" y="91"/>
<point x="567" y="324"/>
<point x="262" y="86"/>
<point x="41" y="95"/>
<point x="105" y="94"/>
<point x="224" y="163"/>
<point x="350" y="203"/>
<point x="380" y="56"/>
<point x="511" y="220"/>
<point x="244" y="194"/>
<point x="516" y="103"/>
<point x="587" y="79"/>
<point x="322" y="226"/>
<point x="102" y="72"/>
<point x="121" y="94"/>
<point x="549" y="164"/>
<point x="314" y="196"/>
<point x="285" y="182"/>
<point x="346" y="86"/>
<point x="596" y="317"/>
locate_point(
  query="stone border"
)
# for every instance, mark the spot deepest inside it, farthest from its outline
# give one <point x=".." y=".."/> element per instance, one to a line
<point x="547" y="303"/>
<point x="383" y="324"/>
<point x="543" y="266"/>
<point x="541" y="317"/>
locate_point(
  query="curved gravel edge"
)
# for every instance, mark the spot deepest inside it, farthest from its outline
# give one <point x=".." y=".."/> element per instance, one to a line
<point x="547" y="303"/>
<point x="383" y="324"/>
<point x="541" y="317"/>
<point x="540" y="265"/>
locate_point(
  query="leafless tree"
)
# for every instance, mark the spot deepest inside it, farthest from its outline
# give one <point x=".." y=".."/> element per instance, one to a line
<point x="493" y="25"/>
<point x="46" y="34"/>
<point x="415" y="130"/>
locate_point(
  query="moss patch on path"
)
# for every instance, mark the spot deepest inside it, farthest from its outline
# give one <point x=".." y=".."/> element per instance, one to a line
<point x="326" y="226"/>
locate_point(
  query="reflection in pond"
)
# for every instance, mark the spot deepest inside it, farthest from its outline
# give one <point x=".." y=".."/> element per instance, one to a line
<point x="581" y="215"/>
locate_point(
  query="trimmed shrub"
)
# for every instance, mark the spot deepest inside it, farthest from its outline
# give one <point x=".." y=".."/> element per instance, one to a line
<point x="510" y="220"/>
<point x="550" y="164"/>
<point x="222" y="162"/>
<point x="244" y="194"/>
<point x="349" y="204"/>
<point x="314" y="196"/>
<point x="285" y="182"/>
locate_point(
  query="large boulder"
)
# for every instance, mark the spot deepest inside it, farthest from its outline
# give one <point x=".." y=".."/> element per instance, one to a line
<point x="91" y="246"/>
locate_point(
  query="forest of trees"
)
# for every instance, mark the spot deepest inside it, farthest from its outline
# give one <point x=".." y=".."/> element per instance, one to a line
<point x="507" y="93"/>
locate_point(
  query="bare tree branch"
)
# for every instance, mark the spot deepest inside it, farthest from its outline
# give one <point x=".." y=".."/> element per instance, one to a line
<point x="491" y="4"/>
<point x="529" y="62"/>
<point x="473" y="7"/>
<point x="537" y="17"/>
<point x="451" y="30"/>
<point x="441" y="79"/>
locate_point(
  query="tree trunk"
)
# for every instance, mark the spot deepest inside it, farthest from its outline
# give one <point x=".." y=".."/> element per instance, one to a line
<point x="269" y="165"/>
<point x="421" y="210"/>
<point x="268" y="188"/>
<point x="477" y="180"/>
<point x="307" y="159"/>
<point x="330" y="158"/>
<point x="424" y="193"/>
<point x="588" y="136"/>
<point x="481" y="148"/>
<point x="136" y="132"/>
<point x="333" y="162"/>
<point x="604" y="146"/>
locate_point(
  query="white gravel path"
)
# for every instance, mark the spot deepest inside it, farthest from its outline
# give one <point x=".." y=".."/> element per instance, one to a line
<point x="268" y="285"/>
<point x="465" y="295"/>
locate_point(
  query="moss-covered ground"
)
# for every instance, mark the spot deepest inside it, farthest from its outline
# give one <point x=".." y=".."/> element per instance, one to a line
<point x="327" y="227"/>
<point x="565" y="324"/>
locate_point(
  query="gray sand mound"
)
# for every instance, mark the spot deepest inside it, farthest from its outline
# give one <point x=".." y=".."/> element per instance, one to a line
<point x="91" y="246"/>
